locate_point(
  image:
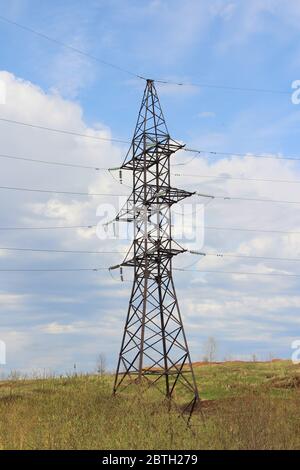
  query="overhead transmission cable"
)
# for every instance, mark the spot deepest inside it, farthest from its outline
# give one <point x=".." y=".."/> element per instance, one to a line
<point x="241" y="255"/>
<point x="63" y="131"/>
<point x="242" y="273"/>
<point x="11" y="188"/>
<point x="53" y="270"/>
<point x="236" y="155"/>
<point x="123" y="141"/>
<point x="49" y="162"/>
<point x="53" y="227"/>
<point x="240" y="229"/>
<point x="96" y="269"/>
<point x="93" y="226"/>
<point x="223" y="87"/>
<point x="253" y="199"/>
<point x="193" y="252"/>
<point x="110" y="170"/>
<point x="234" y="178"/>
<point x="72" y="48"/>
<point x="46" y="191"/>
<point x="135" y="74"/>
<point x="62" y="251"/>
<point x="246" y="199"/>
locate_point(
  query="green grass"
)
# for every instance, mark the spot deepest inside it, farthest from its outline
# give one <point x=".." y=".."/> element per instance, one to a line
<point x="245" y="406"/>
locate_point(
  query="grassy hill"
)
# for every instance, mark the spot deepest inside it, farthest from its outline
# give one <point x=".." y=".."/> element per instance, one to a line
<point x="245" y="406"/>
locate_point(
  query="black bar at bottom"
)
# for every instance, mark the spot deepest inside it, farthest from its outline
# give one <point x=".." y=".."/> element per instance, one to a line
<point x="136" y="458"/>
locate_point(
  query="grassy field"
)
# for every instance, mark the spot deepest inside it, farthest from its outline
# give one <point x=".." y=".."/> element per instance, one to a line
<point x="245" y="406"/>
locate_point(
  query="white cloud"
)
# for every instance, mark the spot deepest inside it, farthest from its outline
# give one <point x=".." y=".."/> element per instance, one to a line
<point x="2" y="93"/>
<point x="27" y="102"/>
<point x="12" y="301"/>
<point x="241" y="309"/>
<point x="56" y="328"/>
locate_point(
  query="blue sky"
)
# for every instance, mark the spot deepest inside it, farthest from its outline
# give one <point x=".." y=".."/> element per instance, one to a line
<point x="54" y="320"/>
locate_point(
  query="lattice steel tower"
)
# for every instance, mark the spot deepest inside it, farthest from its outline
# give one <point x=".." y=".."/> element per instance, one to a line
<point x="154" y="348"/>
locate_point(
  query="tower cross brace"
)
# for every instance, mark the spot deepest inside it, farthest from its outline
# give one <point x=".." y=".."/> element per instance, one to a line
<point x="154" y="348"/>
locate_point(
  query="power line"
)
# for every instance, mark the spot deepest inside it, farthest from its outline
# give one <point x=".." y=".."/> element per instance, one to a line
<point x="237" y="255"/>
<point x="176" y="269"/>
<point x="274" y="201"/>
<point x="80" y="166"/>
<point x="134" y="74"/>
<point x="241" y="198"/>
<point x="48" y="162"/>
<point x="10" y="188"/>
<point x="224" y="87"/>
<point x="72" y="48"/>
<point x="62" y="131"/>
<point x="230" y="177"/>
<point x="237" y="272"/>
<point x="122" y="141"/>
<point x="267" y="258"/>
<point x="92" y="226"/>
<point x="54" y="270"/>
<point x="236" y="155"/>
<point x="59" y="227"/>
<point x="219" y="255"/>
<point x="62" y="251"/>
<point x="238" y="229"/>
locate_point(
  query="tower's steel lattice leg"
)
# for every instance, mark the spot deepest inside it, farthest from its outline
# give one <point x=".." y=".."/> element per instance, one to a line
<point x="154" y="347"/>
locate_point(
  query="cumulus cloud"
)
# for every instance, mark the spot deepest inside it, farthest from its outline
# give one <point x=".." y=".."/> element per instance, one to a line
<point x="60" y="319"/>
<point x="27" y="102"/>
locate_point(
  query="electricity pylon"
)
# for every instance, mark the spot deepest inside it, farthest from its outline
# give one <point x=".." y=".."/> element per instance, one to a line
<point x="154" y="348"/>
